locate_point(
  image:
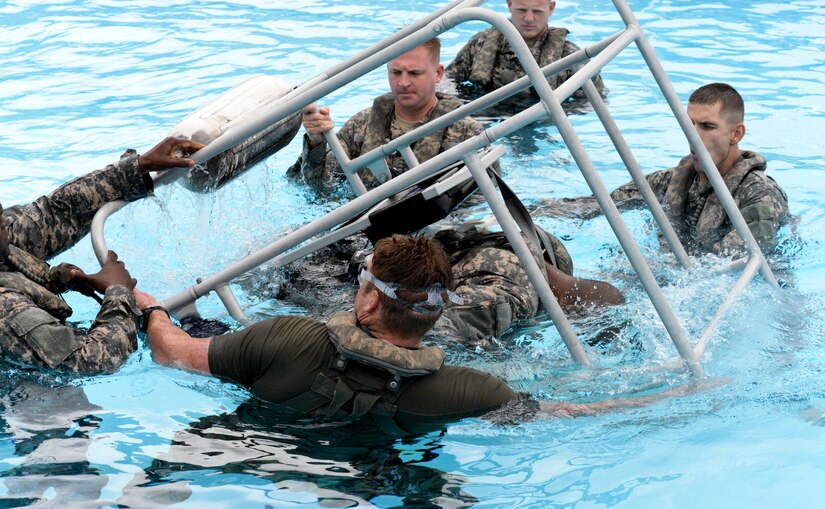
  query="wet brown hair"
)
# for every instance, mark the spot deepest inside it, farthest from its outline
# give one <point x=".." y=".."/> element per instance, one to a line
<point x="413" y="264"/>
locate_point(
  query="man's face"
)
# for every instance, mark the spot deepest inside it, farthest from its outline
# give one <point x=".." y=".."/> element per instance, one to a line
<point x="4" y="237"/>
<point x="413" y="77"/>
<point x="530" y="17"/>
<point x="719" y="134"/>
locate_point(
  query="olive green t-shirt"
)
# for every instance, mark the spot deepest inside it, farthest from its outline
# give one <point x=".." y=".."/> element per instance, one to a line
<point x="279" y="359"/>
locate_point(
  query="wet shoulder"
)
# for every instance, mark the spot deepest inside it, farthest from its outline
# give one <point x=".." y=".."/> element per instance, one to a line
<point x="455" y="392"/>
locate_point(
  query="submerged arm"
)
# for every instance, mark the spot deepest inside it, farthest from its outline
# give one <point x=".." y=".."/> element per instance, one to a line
<point x="568" y="410"/>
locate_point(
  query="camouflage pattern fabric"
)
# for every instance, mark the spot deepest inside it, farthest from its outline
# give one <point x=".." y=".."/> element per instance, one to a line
<point x="703" y="226"/>
<point x="489" y="62"/>
<point x="352" y="342"/>
<point x="32" y="329"/>
<point x="30" y="335"/>
<point x="54" y="223"/>
<point x="369" y="129"/>
<point x="492" y="283"/>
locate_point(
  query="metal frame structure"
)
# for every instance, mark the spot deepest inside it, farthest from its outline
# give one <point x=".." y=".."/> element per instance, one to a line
<point x="328" y="228"/>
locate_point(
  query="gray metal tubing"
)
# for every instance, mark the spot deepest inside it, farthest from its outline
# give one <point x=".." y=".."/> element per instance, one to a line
<point x="497" y="96"/>
<point x="536" y="274"/>
<point x="231" y="303"/>
<point x="340" y="154"/>
<point x="97" y="229"/>
<point x="696" y="144"/>
<point x="743" y="281"/>
<point x="183" y="304"/>
<point x="402" y="33"/>
<point x="591" y="176"/>
<point x="409" y="156"/>
<point x="636" y="172"/>
<point x="566" y="89"/>
<point x="338" y="216"/>
<point x="293" y="102"/>
<point x="452" y="155"/>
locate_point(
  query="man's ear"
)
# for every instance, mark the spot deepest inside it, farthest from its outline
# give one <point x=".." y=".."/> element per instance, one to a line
<point x="372" y="299"/>
<point x="737" y="133"/>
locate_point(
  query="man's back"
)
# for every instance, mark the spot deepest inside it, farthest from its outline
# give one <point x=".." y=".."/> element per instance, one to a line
<point x="292" y="361"/>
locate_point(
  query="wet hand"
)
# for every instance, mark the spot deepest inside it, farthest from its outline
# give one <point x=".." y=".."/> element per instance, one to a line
<point x="112" y="273"/>
<point x="169" y="153"/>
<point x="144" y="300"/>
<point x="316" y="123"/>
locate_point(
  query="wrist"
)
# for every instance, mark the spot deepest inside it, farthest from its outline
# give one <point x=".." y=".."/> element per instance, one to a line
<point x="143" y="322"/>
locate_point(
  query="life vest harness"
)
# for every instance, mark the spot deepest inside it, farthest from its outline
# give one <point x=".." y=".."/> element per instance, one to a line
<point x="365" y="377"/>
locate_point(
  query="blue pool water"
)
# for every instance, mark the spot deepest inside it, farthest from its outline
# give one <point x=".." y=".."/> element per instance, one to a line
<point x="81" y="81"/>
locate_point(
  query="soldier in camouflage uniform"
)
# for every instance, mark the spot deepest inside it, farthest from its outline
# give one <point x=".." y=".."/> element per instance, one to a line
<point x="492" y="282"/>
<point x="496" y="290"/>
<point x="413" y="102"/>
<point x="487" y="62"/>
<point x="717" y="111"/>
<point x="32" y="315"/>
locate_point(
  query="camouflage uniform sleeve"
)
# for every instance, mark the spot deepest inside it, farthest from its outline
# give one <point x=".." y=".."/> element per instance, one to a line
<point x="112" y="337"/>
<point x="30" y="335"/>
<point x="570" y="48"/>
<point x="764" y="206"/>
<point x="56" y="222"/>
<point x="626" y="197"/>
<point x="463" y="130"/>
<point x="318" y="169"/>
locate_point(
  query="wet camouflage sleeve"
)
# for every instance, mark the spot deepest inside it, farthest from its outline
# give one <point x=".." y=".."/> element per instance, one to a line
<point x="318" y="168"/>
<point x="30" y="335"/>
<point x="626" y="197"/>
<point x="496" y="292"/>
<point x="764" y="207"/>
<point x="56" y="222"/>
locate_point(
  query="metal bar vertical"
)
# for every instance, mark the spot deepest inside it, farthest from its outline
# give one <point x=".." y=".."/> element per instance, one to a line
<point x="636" y="173"/>
<point x="696" y="144"/>
<point x="534" y="272"/>
<point x="553" y="107"/>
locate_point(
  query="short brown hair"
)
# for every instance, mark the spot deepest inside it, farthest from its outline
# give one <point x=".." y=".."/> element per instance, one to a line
<point x="411" y="263"/>
<point x="434" y="48"/>
<point x="733" y="107"/>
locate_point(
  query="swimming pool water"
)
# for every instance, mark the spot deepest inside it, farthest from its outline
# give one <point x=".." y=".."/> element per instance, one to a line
<point x="82" y="81"/>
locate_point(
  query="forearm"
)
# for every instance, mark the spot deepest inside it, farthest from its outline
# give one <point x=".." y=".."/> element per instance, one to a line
<point x="172" y="346"/>
<point x="566" y="410"/>
<point x="570" y="410"/>
<point x="54" y="223"/>
<point x="111" y="338"/>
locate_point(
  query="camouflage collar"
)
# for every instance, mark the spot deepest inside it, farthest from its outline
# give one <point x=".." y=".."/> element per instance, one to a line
<point x="353" y="343"/>
<point x="380" y="121"/>
<point x="676" y="197"/>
